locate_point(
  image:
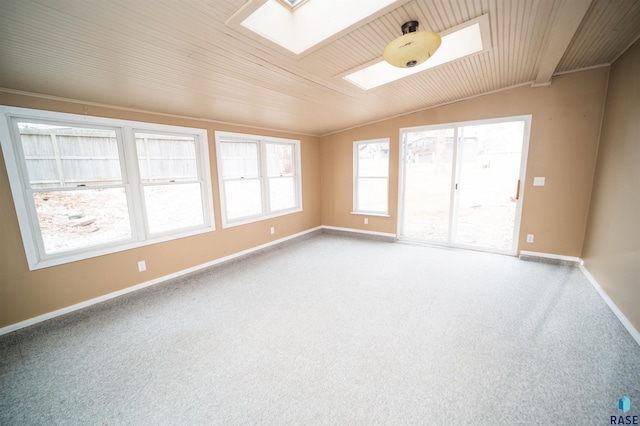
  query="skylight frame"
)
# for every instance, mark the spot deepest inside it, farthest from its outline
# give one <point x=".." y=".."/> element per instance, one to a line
<point x="292" y="4"/>
<point x="281" y="12"/>
<point x="378" y="64"/>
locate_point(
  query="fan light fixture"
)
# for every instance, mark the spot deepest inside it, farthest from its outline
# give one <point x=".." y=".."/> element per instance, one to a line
<point x="412" y="48"/>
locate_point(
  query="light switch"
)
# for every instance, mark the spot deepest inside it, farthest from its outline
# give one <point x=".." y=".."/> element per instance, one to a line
<point x="538" y="181"/>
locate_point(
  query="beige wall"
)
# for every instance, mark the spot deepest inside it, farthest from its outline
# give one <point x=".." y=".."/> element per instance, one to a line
<point x="564" y="138"/>
<point x="26" y="294"/>
<point x="563" y="145"/>
<point x="612" y="244"/>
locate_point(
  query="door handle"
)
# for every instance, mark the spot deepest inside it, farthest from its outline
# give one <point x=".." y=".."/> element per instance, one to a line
<point x="518" y="190"/>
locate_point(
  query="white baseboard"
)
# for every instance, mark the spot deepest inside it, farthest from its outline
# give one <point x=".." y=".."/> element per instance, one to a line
<point x="87" y="303"/>
<point x="551" y="256"/>
<point x="618" y="313"/>
<point x="26" y="323"/>
<point x="359" y="231"/>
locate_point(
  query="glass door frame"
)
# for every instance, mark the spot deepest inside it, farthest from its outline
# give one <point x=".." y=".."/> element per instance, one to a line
<point x="455" y="178"/>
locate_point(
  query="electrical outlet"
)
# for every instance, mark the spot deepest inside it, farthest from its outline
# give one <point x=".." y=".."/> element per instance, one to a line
<point x="142" y="266"/>
<point x="529" y="238"/>
<point x="538" y="181"/>
<point x="366" y="220"/>
<point x="273" y="230"/>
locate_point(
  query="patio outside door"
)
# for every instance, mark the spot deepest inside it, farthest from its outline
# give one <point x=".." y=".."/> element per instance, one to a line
<point x="461" y="183"/>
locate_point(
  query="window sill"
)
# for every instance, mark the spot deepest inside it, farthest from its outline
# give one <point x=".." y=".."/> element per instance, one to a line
<point x="260" y="218"/>
<point x="114" y="247"/>
<point x="371" y="214"/>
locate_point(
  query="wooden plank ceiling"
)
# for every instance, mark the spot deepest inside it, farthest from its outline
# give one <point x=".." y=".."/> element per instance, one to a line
<point x="180" y="57"/>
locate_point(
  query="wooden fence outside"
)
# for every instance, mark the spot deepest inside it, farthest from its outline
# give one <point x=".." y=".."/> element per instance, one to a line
<point x="73" y="156"/>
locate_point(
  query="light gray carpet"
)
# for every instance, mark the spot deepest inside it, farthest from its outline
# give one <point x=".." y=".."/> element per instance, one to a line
<point x="333" y="330"/>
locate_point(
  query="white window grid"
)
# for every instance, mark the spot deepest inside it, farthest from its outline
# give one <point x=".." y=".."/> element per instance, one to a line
<point x="125" y="131"/>
<point x="262" y="176"/>
<point x="357" y="175"/>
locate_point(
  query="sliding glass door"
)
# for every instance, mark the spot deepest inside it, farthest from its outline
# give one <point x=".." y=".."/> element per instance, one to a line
<point x="427" y="190"/>
<point x="461" y="183"/>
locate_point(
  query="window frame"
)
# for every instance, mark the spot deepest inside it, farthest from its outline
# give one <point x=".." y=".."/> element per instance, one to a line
<point x="263" y="176"/>
<point x="357" y="177"/>
<point x="125" y="130"/>
<point x="200" y="170"/>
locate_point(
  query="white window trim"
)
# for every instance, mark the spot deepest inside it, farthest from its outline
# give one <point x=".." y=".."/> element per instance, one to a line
<point x="27" y="219"/>
<point x="262" y="175"/>
<point x="356" y="176"/>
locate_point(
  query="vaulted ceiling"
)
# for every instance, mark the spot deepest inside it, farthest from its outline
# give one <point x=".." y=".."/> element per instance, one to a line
<point x="181" y="57"/>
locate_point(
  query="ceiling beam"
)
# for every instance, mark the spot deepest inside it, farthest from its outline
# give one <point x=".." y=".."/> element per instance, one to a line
<point x="568" y="19"/>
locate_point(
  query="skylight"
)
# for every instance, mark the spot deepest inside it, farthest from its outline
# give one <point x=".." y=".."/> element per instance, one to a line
<point x="306" y="24"/>
<point x="292" y="4"/>
<point x="464" y="40"/>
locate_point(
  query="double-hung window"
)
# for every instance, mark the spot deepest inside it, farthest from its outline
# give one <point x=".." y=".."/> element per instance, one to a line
<point x="259" y="177"/>
<point x="88" y="186"/>
<point x="371" y="176"/>
<point x="170" y="180"/>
